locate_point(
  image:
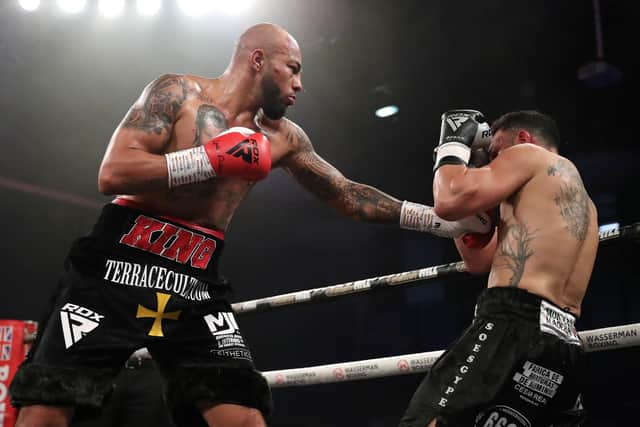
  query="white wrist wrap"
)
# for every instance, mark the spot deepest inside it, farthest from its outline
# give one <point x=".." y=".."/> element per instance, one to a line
<point x="189" y="166"/>
<point x="414" y="216"/>
<point x="454" y="149"/>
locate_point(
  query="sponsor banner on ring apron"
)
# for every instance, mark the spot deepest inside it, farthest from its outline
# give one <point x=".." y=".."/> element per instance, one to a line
<point x="13" y="349"/>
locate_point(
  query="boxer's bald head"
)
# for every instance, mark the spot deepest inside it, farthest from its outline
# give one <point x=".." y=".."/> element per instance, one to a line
<point x="269" y="38"/>
<point x="269" y="57"/>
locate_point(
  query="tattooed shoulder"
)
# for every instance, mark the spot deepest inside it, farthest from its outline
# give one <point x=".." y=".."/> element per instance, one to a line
<point x="571" y="198"/>
<point x="158" y="105"/>
<point x="564" y="169"/>
<point x="297" y="139"/>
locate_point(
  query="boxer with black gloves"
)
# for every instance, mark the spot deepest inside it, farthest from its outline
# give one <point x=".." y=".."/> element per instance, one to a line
<point x="520" y="363"/>
<point x="464" y="139"/>
<point x="181" y="162"/>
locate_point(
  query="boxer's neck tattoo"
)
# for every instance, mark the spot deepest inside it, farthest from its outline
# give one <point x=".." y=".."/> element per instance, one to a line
<point x="515" y="250"/>
<point x="162" y="101"/>
<point x="209" y="122"/>
<point x="571" y="199"/>
<point x="355" y="200"/>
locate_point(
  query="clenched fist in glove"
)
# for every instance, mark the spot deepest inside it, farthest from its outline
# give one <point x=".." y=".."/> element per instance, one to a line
<point x="476" y="240"/>
<point x="460" y="130"/>
<point x="238" y="152"/>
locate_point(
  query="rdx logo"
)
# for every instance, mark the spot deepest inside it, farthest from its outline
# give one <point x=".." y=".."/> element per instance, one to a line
<point x="77" y="322"/>
<point x="247" y="149"/>
<point x="84" y="312"/>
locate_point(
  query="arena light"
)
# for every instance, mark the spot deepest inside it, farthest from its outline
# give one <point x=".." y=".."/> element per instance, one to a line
<point x="72" y="6"/>
<point x="111" y="8"/>
<point x="387" y="111"/>
<point x="30" y="5"/>
<point x="195" y="7"/>
<point x="234" y="7"/>
<point x="148" y="7"/>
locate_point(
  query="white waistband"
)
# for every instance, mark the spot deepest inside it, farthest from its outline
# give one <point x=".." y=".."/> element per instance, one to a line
<point x="559" y="323"/>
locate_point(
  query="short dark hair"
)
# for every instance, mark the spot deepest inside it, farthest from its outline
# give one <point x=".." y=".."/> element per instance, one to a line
<point x="535" y="122"/>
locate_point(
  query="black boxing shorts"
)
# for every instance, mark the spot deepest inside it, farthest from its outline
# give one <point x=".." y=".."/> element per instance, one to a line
<point x="141" y="280"/>
<point x="519" y="364"/>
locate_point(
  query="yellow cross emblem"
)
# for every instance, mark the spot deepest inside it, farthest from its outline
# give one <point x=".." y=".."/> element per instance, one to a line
<point x="156" y="328"/>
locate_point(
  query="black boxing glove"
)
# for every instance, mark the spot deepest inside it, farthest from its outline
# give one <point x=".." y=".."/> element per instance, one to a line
<point x="460" y="130"/>
<point x="480" y="156"/>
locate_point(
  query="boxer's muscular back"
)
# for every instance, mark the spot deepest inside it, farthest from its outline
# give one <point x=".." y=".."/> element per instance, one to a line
<point x="548" y="235"/>
<point x="196" y="119"/>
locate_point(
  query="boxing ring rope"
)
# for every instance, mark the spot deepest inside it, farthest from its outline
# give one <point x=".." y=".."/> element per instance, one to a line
<point x="365" y="285"/>
<point x="593" y="340"/>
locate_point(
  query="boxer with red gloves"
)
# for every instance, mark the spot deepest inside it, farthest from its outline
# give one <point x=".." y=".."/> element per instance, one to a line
<point x="183" y="159"/>
<point x="539" y="261"/>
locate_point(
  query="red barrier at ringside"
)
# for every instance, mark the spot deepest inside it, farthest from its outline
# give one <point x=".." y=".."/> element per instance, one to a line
<point x="13" y="349"/>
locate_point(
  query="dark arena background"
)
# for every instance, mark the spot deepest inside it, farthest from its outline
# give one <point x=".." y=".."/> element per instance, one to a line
<point x="67" y="79"/>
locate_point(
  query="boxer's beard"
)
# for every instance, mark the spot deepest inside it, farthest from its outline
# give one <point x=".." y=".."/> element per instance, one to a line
<point x="273" y="106"/>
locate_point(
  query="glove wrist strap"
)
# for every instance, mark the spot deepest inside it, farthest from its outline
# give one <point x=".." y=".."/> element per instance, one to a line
<point x="452" y="153"/>
<point x="188" y="166"/>
<point x="414" y="216"/>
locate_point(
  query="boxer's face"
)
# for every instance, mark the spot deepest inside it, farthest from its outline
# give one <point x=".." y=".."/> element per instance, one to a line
<point x="281" y="81"/>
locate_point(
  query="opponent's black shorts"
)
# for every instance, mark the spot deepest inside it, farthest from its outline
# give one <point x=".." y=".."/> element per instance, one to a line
<point x="141" y="280"/>
<point x="519" y="364"/>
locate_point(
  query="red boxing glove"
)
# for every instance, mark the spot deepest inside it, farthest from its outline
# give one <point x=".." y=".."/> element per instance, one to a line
<point x="240" y="152"/>
<point x="480" y="240"/>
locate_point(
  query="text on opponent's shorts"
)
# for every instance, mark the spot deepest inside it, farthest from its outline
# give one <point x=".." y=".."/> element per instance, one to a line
<point x="139" y="280"/>
<point x="519" y="364"/>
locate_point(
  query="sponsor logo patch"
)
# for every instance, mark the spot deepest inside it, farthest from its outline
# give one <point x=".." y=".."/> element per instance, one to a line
<point x="77" y="322"/>
<point x="455" y="122"/>
<point x="537" y="384"/>
<point x="224" y="328"/>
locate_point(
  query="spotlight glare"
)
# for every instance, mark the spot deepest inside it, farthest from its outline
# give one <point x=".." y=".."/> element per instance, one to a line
<point x="72" y="6"/>
<point x="234" y="7"/>
<point x="195" y="7"/>
<point x="30" y="5"/>
<point x="387" y="111"/>
<point x="111" y="8"/>
<point x="148" y="7"/>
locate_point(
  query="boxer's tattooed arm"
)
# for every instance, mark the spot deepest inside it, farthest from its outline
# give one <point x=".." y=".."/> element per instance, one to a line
<point x="571" y="199"/>
<point x="514" y="251"/>
<point x="353" y="199"/>
<point x="156" y="110"/>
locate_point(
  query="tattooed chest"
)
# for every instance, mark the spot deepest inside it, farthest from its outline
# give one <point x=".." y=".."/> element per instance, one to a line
<point x="199" y="124"/>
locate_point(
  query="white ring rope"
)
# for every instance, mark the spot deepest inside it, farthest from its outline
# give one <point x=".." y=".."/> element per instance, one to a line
<point x="364" y="285"/>
<point x="594" y="340"/>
